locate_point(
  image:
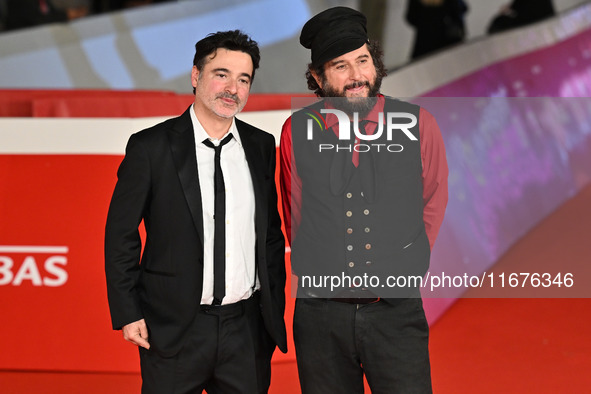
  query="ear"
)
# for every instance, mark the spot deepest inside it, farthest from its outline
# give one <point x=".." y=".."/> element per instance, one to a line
<point x="194" y="76"/>
<point x="317" y="78"/>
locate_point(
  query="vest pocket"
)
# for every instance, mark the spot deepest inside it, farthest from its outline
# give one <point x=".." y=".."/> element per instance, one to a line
<point x="415" y="240"/>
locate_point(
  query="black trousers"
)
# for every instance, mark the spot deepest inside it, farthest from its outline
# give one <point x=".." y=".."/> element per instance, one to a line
<point x="227" y="350"/>
<point x="337" y="343"/>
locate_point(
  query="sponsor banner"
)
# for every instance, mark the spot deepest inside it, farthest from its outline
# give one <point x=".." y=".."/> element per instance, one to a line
<point x="53" y="210"/>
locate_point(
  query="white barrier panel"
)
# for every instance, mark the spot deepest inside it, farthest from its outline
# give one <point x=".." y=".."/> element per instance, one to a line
<point x="106" y="136"/>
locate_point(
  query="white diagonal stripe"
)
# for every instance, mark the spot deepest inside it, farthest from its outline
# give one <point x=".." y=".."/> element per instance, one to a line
<point x="33" y="249"/>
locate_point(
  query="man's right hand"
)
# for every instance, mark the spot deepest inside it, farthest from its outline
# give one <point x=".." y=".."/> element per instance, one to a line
<point x="136" y="333"/>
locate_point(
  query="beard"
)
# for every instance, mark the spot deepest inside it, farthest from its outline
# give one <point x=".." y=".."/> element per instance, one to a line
<point x="350" y="105"/>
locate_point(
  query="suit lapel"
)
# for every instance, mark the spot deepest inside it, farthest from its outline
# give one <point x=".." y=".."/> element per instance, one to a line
<point x="182" y="146"/>
<point x="257" y="174"/>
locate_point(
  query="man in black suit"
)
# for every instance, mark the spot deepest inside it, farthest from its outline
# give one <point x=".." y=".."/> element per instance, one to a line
<point x="205" y="304"/>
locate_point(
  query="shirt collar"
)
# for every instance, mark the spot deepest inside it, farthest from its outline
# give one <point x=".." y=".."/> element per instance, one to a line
<point x="372" y="116"/>
<point x="201" y="134"/>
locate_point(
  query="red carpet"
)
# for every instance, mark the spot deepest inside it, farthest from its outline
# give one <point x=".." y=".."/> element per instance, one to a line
<point x="480" y="345"/>
<point x="523" y="345"/>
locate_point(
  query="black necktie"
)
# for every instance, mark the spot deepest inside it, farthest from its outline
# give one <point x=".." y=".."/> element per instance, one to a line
<point x="219" y="216"/>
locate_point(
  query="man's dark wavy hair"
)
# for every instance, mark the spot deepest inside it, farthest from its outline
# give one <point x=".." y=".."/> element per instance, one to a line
<point x="377" y="55"/>
<point x="232" y="40"/>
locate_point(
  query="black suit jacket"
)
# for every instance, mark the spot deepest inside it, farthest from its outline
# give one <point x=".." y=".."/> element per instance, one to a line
<point x="158" y="183"/>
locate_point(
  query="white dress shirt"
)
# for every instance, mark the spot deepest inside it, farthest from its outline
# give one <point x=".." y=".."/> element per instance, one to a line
<point x="240" y="215"/>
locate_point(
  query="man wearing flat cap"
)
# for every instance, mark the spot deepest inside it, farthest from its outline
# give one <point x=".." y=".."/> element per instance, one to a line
<point x="364" y="188"/>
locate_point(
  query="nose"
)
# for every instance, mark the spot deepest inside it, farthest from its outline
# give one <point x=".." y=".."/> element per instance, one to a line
<point x="355" y="73"/>
<point x="232" y="86"/>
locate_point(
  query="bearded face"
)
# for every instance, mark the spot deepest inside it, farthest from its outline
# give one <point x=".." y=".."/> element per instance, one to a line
<point x="359" y="104"/>
<point x="352" y="76"/>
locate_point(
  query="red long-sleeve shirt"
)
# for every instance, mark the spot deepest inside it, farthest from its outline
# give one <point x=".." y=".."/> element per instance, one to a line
<point x="434" y="174"/>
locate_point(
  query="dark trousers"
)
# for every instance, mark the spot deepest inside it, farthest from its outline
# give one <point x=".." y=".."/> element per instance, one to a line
<point x="227" y="350"/>
<point x="337" y="343"/>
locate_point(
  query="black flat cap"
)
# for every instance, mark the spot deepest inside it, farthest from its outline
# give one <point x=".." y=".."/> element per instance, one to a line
<point x="333" y="33"/>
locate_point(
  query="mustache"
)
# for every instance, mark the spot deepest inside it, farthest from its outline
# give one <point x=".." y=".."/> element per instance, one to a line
<point x="229" y="96"/>
<point x="357" y="84"/>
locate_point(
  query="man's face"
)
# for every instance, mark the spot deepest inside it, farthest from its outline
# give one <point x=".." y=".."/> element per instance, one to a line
<point x="354" y="76"/>
<point x="350" y="75"/>
<point x="223" y="85"/>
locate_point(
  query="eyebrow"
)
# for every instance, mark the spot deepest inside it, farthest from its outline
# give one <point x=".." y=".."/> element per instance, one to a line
<point x="228" y="71"/>
<point x="335" y="62"/>
<point x="246" y="75"/>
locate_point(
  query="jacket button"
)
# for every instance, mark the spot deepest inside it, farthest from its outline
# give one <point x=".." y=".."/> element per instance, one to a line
<point x="351" y="264"/>
<point x="349" y="195"/>
<point x="368" y="263"/>
<point x="368" y="246"/>
<point x="349" y="247"/>
<point x="349" y="231"/>
<point x="366" y="211"/>
<point x="349" y="213"/>
<point x="367" y="230"/>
